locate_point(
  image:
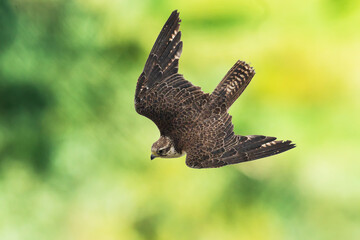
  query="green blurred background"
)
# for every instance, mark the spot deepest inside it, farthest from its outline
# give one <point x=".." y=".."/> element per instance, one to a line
<point x="75" y="156"/>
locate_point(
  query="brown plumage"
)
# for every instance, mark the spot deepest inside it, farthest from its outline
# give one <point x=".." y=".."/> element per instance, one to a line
<point x="191" y="121"/>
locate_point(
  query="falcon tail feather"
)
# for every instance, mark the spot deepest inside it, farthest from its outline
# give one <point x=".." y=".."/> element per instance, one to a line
<point x="233" y="84"/>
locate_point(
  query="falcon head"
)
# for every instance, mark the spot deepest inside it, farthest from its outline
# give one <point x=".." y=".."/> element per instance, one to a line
<point x="165" y="148"/>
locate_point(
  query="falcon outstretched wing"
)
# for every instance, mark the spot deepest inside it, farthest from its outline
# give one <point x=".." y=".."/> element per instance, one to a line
<point x="220" y="146"/>
<point x="162" y="94"/>
<point x="217" y="145"/>
<point x="164" y="56"/>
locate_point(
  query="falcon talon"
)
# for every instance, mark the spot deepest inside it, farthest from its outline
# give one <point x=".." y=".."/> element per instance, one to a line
<point x="193" y="122"/>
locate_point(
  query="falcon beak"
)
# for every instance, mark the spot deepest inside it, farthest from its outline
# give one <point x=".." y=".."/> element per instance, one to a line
<point x="152" y="157"/>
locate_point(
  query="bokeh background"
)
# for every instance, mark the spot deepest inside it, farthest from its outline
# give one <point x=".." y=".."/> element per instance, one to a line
<point x="74" y="155"/>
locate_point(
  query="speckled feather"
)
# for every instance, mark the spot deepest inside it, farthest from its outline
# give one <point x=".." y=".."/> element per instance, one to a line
<point x="197" y="123"/>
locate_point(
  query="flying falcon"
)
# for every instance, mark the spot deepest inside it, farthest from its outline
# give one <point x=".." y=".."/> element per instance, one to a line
<point x="190" y="121"/>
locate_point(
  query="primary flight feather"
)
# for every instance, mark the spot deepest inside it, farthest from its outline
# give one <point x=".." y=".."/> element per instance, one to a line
<point x="190" y="121"/>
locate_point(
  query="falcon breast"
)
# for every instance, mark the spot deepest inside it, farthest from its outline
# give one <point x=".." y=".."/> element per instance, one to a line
<point x="191" y="121"/>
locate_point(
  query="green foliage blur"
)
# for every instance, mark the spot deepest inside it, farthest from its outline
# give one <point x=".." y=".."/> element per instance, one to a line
<point x="75" y="156"/>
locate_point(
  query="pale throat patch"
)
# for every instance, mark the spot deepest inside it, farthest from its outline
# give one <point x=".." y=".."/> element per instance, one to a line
<point x="172" y="153"/>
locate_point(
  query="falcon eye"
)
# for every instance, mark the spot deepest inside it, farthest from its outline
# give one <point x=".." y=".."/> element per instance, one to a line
<point x="163" y="151"/>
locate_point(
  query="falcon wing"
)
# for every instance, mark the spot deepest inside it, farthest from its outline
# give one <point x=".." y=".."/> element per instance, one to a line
<point x="219" y="146"/>
<point x="161" y="93"/>
<point x="164" y="57"/>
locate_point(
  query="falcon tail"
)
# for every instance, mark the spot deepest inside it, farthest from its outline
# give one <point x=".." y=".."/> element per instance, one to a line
<point x="233" y="84"/>
<point x="254" y="147"/>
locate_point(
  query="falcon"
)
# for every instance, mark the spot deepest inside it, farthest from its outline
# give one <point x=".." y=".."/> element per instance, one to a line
<point x="190" y="121"/>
